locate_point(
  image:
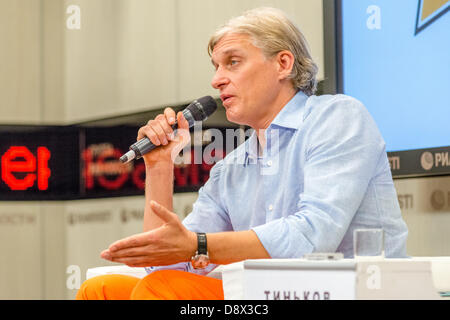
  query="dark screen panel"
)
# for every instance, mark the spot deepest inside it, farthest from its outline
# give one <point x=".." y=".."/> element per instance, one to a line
<point x="64" y="163"/>
<point x="39" y="163"/>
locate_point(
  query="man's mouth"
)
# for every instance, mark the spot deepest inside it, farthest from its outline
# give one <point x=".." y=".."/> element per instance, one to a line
<point x="226" y="99"/>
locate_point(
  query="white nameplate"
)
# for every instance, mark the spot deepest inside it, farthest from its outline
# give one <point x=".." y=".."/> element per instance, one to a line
<point x="295" y="279"/>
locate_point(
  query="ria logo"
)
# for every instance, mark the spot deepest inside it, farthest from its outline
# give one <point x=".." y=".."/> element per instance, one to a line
<point x="438" y="160"/>
<point x="426" y="160"/>
<point x="429" y="11"/>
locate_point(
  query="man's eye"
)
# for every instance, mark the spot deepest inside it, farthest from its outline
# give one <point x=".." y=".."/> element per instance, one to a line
<point x="233" y="62"/>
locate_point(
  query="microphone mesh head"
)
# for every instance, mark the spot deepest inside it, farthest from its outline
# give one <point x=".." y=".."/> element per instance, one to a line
<point x="202" y="108"/>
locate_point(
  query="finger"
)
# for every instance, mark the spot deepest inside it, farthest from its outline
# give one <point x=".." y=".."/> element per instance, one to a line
<point x="133" y="261"/>
<point x="136" y="240"/>
<point x="156" y="125"/>
<point x="105" y="254"/>
<point x="166" y="125"/>
<point x="130" y="252"/>
<point x="140" y="265"/>
<point x="182" y="122"/>
<point x="183" y="127"/>
<point x="170" y="115"/>
<point x="147" y="131"/>
<point x="161" y="211"/>
<point x="183" y="137"/>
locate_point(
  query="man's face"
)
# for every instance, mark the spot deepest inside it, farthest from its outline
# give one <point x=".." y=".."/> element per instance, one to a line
<point x="247" y="80"/>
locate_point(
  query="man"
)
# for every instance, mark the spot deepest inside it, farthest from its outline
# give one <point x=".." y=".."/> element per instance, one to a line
<point x="314" y="170"/>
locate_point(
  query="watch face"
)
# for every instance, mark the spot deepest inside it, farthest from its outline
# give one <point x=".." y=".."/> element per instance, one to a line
<point x="200" y="261"/>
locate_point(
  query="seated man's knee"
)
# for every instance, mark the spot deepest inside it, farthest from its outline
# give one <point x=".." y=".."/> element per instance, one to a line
<point x="177" y="285"/>
<point x="107" y="287"/>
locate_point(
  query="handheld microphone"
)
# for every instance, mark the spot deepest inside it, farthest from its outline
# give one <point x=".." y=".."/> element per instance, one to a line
<point x="198" y="110"/>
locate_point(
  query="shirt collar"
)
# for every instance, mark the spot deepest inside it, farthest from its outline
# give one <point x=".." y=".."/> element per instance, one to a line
<point x="290" y="116"/>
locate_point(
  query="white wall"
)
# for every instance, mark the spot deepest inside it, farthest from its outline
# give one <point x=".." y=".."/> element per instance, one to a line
<point x="48" y="247"/>
<point x="20" y="61"/>
<point x="21" y="262"/>
<point x="121" y="60"/>
<point x="425" y="204"/>
<point x="127" y="56"/>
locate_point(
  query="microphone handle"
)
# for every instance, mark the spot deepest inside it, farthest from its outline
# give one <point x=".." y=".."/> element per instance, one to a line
<point x="144" y="145"/>
<point x="141" y="147"/>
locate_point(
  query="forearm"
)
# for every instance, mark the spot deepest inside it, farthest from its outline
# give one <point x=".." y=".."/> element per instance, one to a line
<point x="158" y="187"/>
<point x="233" y="246"/>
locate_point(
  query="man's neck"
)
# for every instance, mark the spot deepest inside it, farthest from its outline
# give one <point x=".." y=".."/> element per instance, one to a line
<point x="284" y="97"/>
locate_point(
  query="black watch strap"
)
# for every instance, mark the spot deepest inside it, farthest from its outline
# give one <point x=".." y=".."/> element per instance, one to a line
<point x="201" y="243"/>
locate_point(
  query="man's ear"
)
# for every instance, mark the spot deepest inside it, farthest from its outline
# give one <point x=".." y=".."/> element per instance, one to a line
<point x="285" y="60"/>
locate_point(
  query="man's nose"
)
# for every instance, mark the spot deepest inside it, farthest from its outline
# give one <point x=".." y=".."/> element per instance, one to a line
<point x="219" y="79"/>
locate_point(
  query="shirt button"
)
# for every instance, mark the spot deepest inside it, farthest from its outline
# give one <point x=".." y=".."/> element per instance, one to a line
<point x="269" y="163"/>
<point x="270" y="207"/>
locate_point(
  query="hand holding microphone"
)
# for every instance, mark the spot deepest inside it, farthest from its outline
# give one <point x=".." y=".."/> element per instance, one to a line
<point x="160" y="131"/>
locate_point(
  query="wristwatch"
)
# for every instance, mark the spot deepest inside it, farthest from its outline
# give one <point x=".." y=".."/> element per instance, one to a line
<point x="200" y="259"/>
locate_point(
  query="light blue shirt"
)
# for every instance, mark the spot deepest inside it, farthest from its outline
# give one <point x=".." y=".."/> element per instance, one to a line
<point x="323" y="173"/>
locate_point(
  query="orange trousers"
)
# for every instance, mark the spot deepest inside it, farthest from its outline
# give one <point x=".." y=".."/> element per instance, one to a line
<point x="158" y="285"/>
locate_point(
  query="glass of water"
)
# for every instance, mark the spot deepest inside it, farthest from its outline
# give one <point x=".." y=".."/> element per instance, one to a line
<point x="368" y="243"/>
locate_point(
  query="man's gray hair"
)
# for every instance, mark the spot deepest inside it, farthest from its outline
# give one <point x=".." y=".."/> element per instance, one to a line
<point x="272" y="32"/>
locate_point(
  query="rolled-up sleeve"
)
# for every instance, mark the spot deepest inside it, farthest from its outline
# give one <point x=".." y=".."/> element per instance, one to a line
<point x="342" y="149"/>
